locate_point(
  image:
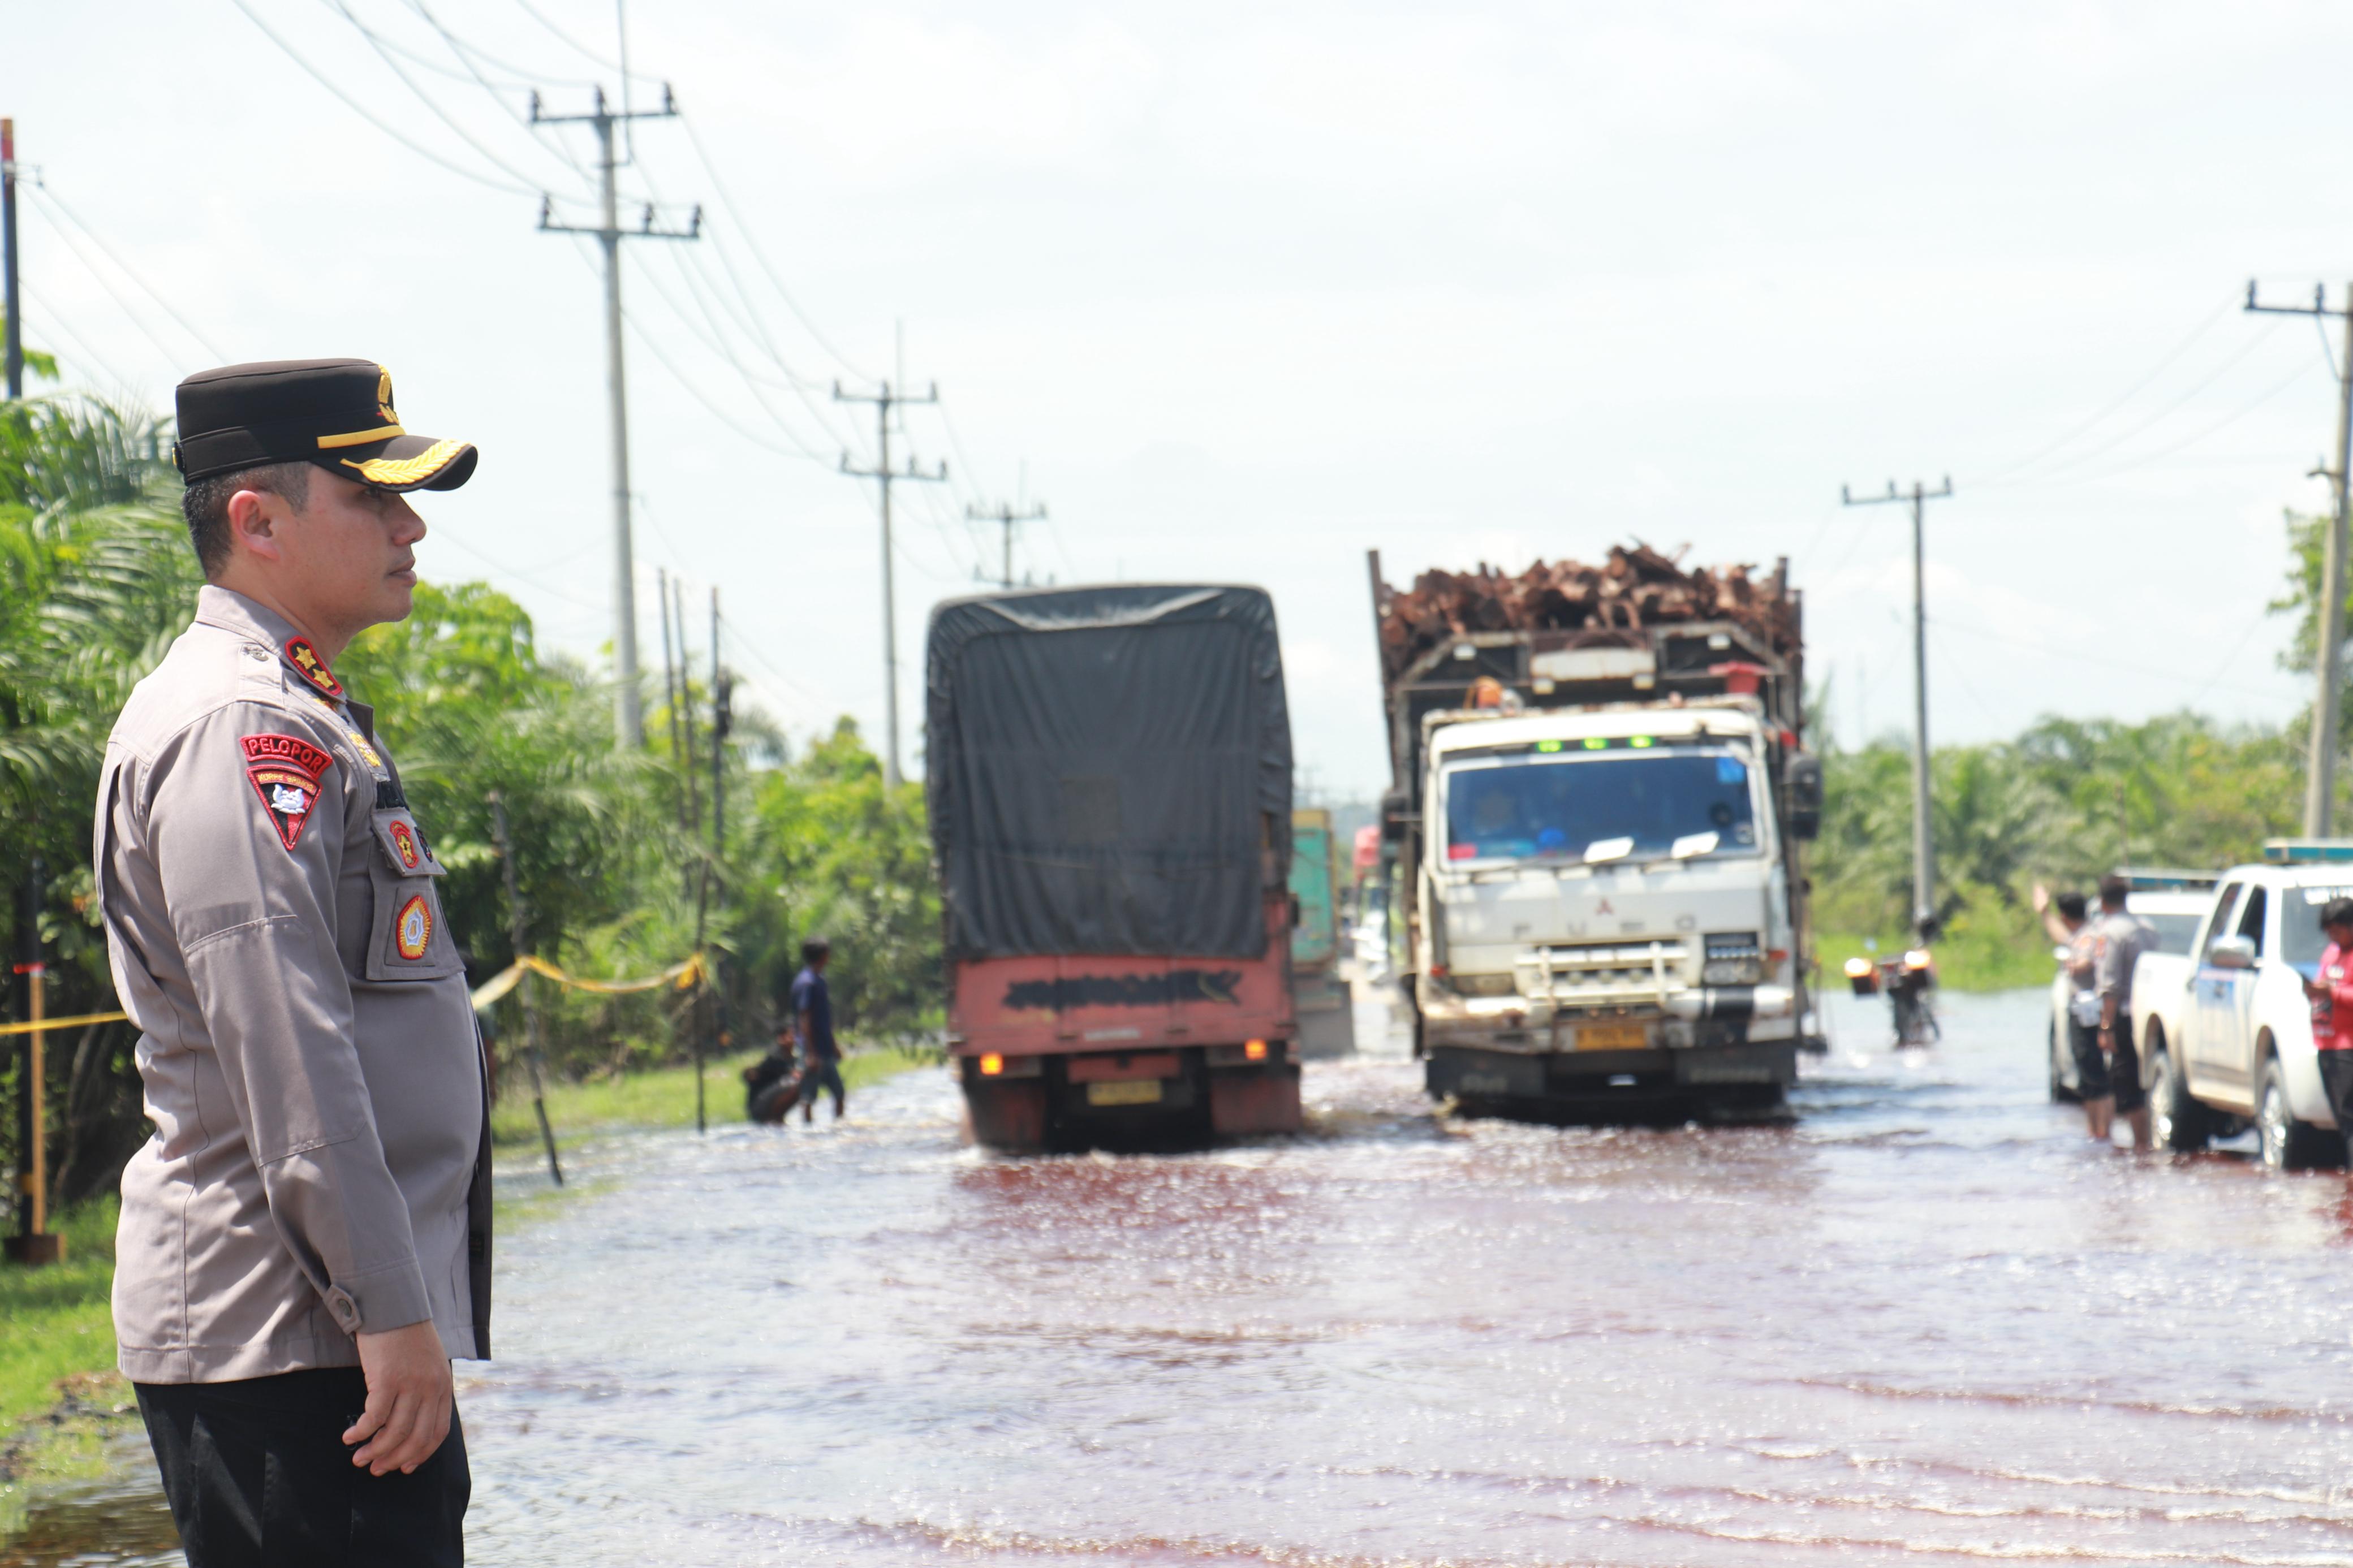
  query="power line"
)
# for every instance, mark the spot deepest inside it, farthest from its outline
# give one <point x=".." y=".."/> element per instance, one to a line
<point x="727" y="202"/>
<point x="427" y="98"/>
<point x="356" y="108"/>
<point x="467" y="51"/>
<point x="577" y="47"/>
<point x="42" y="193"/>
<point x="171" y="356"/>
<point x="2138" y="387"/>
<point x="123" y="384"/>
<point x="2079" y="460"/>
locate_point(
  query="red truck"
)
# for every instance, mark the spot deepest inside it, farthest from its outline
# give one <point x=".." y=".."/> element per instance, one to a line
<point x="1109" y="784"/>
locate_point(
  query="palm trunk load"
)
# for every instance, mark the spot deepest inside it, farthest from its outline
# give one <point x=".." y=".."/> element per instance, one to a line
<point x="1636" y="586"/>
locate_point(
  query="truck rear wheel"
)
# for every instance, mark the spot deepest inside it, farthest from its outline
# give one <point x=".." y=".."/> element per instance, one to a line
<point x="2178" y="1123"/>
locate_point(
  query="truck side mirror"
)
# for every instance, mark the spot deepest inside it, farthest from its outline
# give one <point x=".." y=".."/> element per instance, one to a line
<point x="1801" y="780"/>
<point x="1395" y="810"/>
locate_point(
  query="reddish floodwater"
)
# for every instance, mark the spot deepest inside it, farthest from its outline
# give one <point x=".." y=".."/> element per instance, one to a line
<point x="1926" y="1321"/>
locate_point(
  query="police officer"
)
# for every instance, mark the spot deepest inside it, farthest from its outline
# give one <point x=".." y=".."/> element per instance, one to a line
<point x="305" y="1241"/>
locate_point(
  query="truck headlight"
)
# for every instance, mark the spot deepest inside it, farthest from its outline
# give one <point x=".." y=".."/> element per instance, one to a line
<point x="1483" y="985"/>
<point x="1733" y="958"/>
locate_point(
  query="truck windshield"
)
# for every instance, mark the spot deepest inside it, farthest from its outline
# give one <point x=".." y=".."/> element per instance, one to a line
<point x="1559" y="806"/>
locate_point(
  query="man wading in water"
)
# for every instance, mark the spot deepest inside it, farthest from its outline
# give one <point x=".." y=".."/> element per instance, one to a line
<point x="813" y="1020"/>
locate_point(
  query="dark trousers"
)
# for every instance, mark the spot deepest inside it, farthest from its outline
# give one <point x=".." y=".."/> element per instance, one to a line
<point x="259" y="1477"/>
<point x="822" y="1075"/>
<point x="2337" y="1078"/>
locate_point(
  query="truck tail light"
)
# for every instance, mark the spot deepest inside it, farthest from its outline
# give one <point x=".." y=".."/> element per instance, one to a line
<point x="992" y="1065"/>
<point x="1254" y="1050"/>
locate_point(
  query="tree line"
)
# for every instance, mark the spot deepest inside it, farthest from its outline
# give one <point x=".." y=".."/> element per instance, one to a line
<point x="614" y="863"/>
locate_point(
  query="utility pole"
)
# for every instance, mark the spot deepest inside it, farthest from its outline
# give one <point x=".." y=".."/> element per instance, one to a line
<point x="628" y="718"/>
<point x="722" y="721"/>
<point x="884" y="400"/>
<point x="14" y="298"/>
<point x="670" y="679"/>
<point x="534" y="1050"/>
<point x="2320" y="773"/>
<point x="1005" y="515"/>
<point x="1924" y="857"/>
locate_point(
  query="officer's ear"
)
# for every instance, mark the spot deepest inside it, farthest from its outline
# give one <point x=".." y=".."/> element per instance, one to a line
<point x="254" y="517"/>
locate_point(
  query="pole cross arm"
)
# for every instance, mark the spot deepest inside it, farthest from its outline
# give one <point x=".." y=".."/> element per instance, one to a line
<point x="2319" y="306"/>
<point x="669" y="110"/>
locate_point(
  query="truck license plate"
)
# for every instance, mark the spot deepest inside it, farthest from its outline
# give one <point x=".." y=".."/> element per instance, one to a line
<point x="1135" y="1092"/>
<point x="1612" y="1038"/>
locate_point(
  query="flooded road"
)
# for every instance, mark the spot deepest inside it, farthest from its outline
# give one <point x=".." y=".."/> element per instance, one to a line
<point x="1928" y="1319"/>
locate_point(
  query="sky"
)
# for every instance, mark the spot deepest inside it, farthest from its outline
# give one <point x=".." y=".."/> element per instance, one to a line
<point x="1241" y="291"/>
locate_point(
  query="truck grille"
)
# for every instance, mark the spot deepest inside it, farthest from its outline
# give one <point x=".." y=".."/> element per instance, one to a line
<point x="1603" y="974"/>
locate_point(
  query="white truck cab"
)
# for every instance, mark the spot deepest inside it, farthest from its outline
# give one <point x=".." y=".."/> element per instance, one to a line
<point x="2225" y="1031"/>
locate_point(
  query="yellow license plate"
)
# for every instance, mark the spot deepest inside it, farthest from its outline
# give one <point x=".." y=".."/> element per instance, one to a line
<point x="1135" y="1092"/>
<point x="1613" y="1037"/>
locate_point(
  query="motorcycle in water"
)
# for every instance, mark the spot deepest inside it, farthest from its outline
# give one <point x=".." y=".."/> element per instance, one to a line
<point x="1907" y="982"/>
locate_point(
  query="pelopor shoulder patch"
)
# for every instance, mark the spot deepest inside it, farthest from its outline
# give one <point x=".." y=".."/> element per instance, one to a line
<point x="285" y="772"/>
<point x="305" y="658"/>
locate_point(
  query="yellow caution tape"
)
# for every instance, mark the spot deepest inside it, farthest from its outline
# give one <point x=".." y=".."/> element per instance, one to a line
<point x="683" y="975"/>
<point x="77" y="1021"/>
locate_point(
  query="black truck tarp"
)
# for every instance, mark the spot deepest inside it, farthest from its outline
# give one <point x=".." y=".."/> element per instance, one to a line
<point x="1102" y="763"/>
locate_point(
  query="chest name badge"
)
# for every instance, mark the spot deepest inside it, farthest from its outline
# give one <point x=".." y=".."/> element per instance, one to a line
<point x="285" y="772"/>
<point x="306" y="660"/>
<point x="412" y="929"/>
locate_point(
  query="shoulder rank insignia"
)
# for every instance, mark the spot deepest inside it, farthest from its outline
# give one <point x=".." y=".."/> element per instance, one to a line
<point x="304" y="657"/>
<point x="285" y="772"/>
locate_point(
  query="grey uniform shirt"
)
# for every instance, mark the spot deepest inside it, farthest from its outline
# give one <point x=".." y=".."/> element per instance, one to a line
<point x="2123" y="937"/>
<point x="321" y="1158"/>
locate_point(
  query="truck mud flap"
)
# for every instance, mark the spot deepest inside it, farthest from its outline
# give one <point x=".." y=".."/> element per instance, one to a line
<point x="1263" y="1100"/>
<point x="1009" y="1116"/>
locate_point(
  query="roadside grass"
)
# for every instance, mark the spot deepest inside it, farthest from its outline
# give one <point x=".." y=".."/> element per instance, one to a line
<point x="664" y="1097"/>
<point x="56" y="1323"/>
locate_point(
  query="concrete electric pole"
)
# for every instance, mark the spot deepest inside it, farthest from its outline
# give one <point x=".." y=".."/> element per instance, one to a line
<point x="1004" y="514"/>
<point x="2320" y="773"/>
<point x="1924" y="849"/>
<point x="14" y="303"/>
<point x="629" y="717"/>
<point x="884" y="399"/>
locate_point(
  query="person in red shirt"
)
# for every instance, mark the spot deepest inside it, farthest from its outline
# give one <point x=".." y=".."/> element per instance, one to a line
<point x="2331" y="993"/>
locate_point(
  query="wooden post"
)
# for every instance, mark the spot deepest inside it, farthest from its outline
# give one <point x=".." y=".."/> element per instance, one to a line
<point x="34" y="1246"/>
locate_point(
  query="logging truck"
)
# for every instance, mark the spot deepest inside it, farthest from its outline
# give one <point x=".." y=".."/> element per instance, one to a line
<point x="1596" y="831"/>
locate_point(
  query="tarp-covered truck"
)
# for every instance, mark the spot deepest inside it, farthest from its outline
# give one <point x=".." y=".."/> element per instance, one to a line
<point x="1109" y="781"/>
<point x="1599" y="815"/>
<point x="1327" y="1023"/>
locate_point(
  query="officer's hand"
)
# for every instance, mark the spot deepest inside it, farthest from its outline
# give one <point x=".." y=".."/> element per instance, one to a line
<point x="409" y="1398"/>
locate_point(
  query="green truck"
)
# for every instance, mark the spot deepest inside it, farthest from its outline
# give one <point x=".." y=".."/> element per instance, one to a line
<point x="1327" y="1025"/>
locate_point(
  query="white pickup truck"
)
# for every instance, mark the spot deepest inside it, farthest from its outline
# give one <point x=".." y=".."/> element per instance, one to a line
<point x="2225" y="1031"/>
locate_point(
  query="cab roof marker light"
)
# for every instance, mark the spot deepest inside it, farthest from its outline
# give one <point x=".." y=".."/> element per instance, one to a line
<point x="1640" y="742"/>
<point x="1595" y="744"/>
<point x="1548" y="745"/>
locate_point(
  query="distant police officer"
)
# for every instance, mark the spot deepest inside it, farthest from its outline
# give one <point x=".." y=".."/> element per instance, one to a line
<point x="305" y="1241"/>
